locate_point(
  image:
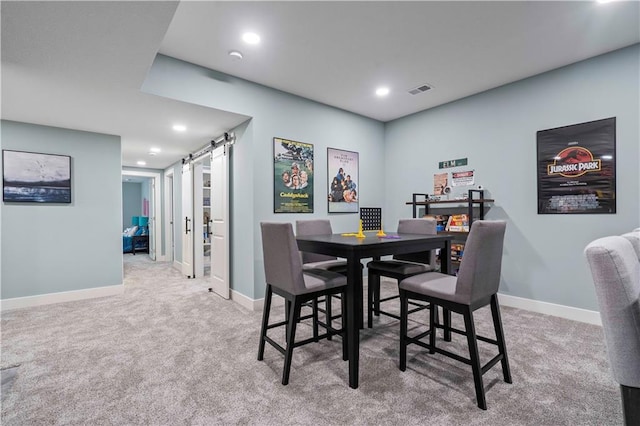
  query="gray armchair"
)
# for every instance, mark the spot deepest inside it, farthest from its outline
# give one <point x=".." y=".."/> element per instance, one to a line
<point x="615" y="267"/>
<point x="634" y="239"/>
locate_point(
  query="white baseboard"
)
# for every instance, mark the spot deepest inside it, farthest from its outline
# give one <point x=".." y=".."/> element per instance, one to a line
<point x="245" y="301"/>
<point x="177" y="265"/>
<point x="568" y="312"/>
<point x="254" y="304"/>
<point x="64" y="296"/>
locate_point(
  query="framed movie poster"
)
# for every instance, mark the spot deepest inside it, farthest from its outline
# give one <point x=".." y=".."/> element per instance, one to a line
<point x="293" y="176"/>
<point x="342" y="172"/>
<point x="31" y="177"/>
<point x="577" y="168"/>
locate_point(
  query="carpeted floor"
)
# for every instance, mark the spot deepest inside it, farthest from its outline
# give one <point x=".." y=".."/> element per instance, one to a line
<point x="168" y="352"/>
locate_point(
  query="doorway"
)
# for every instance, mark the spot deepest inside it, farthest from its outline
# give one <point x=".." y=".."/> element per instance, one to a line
<point x="205" y="209"/>
<point x="150" y="208"/>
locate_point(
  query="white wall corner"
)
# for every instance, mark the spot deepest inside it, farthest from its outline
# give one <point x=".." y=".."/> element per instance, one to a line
<point x="64" y="296"/>
<point x="254" y="304"/>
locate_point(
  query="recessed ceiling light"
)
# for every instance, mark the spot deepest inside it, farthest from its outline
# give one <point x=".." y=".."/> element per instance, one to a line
<point x="141" y="163"/>
<point x="235" y="54"/>
<point x="382" y="91"/>
<point x="251" y="38"/>
<point x="179" y="127"/>
<point x="154" y="149"/>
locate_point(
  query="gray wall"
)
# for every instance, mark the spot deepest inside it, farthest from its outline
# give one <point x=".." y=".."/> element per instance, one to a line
<point x="496" y="130"/>
<point x="274" y="114"/>
<point x="131" y="202"/>
<point x="53" y="248"/>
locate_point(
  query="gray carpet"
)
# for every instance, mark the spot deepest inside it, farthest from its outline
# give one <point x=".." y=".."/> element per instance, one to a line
<point x="167" y="352"/>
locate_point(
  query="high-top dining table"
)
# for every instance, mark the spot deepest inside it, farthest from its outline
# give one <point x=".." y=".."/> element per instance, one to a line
<point x="355" y="249"/>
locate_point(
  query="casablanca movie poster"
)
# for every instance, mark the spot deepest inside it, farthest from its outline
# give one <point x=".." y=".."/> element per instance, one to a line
<point x="293" y="176"/>
<point x="577" y="168"/>
<point x="342" y="172"/>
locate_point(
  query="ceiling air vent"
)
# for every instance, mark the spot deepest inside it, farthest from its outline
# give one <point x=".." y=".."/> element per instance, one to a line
<point x="420" y="89"/>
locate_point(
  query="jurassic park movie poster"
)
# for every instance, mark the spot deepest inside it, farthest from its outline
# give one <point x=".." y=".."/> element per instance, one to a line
<point x="577" y="168"/>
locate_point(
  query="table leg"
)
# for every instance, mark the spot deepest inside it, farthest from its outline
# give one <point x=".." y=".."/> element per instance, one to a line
<point x="445" y="265"/>
<point x="445" y="258"/>
<point x="354" y="317"/>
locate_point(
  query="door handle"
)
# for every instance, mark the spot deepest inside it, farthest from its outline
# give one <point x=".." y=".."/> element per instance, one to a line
<point x="186" y="225"/>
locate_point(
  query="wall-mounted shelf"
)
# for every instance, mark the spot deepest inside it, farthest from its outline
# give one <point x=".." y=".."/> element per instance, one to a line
<point x="470" y="202"/>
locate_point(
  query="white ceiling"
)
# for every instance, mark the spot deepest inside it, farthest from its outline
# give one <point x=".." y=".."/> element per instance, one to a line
<point x="80" y="64"/>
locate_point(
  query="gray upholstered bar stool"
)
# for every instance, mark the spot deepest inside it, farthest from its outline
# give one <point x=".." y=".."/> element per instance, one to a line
<point x="400" y="267"/>
<point x="285" y="277"/>
<point x="320" y="261"/>
<point x="475" y="286"/>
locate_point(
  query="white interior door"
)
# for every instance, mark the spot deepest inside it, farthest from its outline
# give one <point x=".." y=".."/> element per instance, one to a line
<point x="169" y="213"/>
<point x="187" y="221"/>
<point x="198" y="248"/>
<point x="220" y="220"/>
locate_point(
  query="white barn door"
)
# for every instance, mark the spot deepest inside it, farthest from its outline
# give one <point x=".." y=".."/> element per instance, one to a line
<point x="187" y="221"/>
<point x="220" y="220"/>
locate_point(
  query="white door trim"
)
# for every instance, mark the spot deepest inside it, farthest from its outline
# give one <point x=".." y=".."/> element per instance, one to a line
<point x="157" y="206"/>
<point x="169" y="254"/>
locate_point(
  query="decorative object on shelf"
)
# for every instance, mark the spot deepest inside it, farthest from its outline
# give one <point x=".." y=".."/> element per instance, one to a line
<point x="440" y="182"/>
<point x="577" y="168"/>
<point x="342" y="170"/>
<point x="457" y="250"/>
<point x="293" y="176"/>
<point x="31" y="177"/>
<point x="458" y="223"/>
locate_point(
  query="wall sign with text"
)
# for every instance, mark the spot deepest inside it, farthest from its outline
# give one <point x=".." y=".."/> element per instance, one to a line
<point x="577" y="168"/>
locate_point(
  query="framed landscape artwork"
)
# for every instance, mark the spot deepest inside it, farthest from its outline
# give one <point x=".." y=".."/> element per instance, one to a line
<point x="577" y="168"/>
<point x="30" y="177"/>
<point x="342" y="170"/>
